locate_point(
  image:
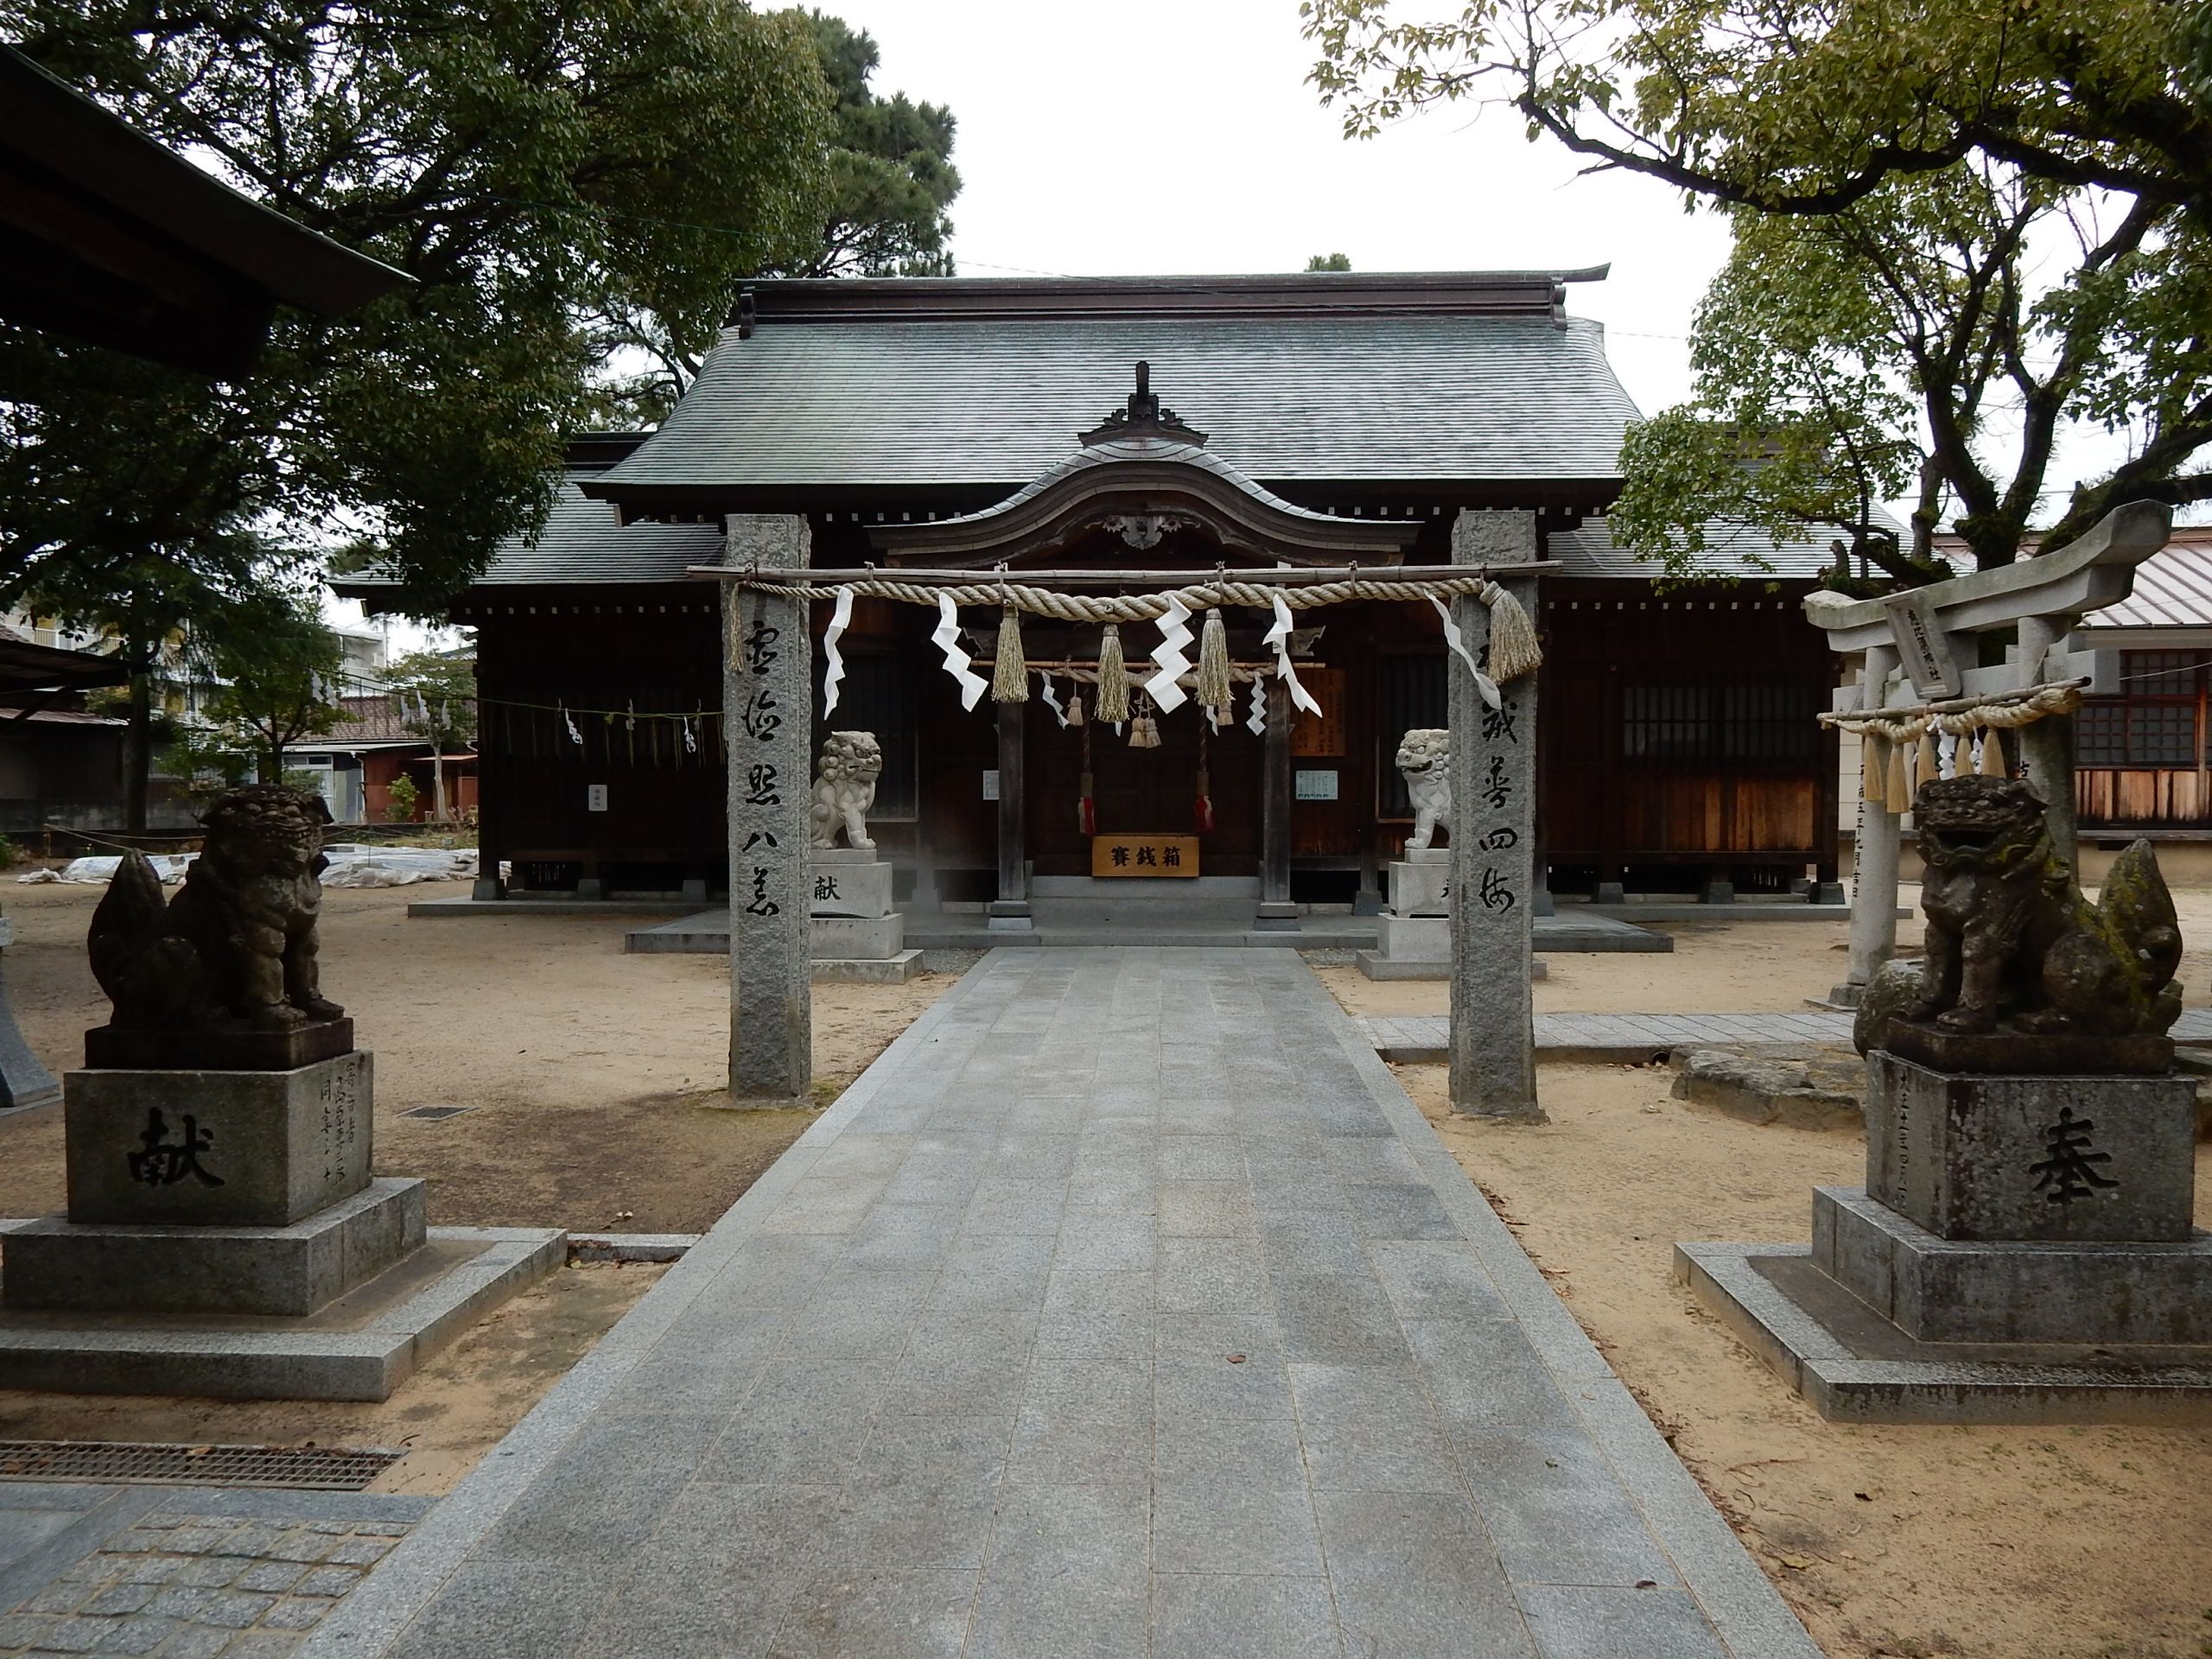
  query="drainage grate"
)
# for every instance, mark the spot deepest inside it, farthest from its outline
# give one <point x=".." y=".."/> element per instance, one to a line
<point x="435" y="1112"/>
<point x="316" y="1468"/>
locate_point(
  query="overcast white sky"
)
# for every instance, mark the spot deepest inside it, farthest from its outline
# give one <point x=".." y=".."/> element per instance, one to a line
<point x="1179" y="135"/>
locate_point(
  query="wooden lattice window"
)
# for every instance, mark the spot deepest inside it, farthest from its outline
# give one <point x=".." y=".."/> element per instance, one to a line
<point x="2159" y="721"/>
<point x="1734" y="726"/>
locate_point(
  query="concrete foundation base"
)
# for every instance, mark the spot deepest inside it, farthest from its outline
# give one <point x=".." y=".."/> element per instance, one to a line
<point x="1375" y="965"/>
<point x="1964" y="1290"/>
<point x="361" y="1347"/>
<point x="1853" y="1365"/>
<point x="866" y="971"/>
<point x="839" y="938"/>
<point x="57" y="1264"/>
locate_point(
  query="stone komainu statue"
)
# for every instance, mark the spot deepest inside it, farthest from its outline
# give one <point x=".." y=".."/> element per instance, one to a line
<point x="1425" y="758"/>
<point x="236" y="948"/>
<point x="2012" y="942"/>
<point x="851" y="762"/>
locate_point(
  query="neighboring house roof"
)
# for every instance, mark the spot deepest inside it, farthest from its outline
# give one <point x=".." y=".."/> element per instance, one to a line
<point x="1452" y="377"/>
<point x="30" y="673"/>
<point x="1732" y="550"/>
<point x="107" y="237"/>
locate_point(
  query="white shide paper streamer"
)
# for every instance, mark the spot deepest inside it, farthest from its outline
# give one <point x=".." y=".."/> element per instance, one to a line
<point x="1052" y="700"/>
<point x="1279" y="637"/>
<point x="833" y="662"/>
<point x="1166" y="694"/>
<point x="1256" y="722"/>
<point x="1457" y="642"/>
<point x="946" y="638"/>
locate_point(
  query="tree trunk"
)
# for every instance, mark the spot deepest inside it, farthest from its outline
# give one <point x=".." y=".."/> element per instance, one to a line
<point x="137" y="749"/>
<point x="438" y="782"/>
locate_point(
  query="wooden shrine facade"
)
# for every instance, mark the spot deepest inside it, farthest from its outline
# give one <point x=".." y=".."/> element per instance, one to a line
<point x="958" y="425"/>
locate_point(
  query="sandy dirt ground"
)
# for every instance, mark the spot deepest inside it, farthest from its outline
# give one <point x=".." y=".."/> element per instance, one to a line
<point x="591" y="1075"/>
<point x="1891" y="1542"/>
<point x="591" y="1079"/>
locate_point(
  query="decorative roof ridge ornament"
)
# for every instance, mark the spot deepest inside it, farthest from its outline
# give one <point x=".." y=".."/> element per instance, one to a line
<point x="1143" y="418"/>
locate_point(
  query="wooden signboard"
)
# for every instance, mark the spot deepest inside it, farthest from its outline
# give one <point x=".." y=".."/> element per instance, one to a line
<point x="1322" y="734"/>
<point x="1144" y="856"/>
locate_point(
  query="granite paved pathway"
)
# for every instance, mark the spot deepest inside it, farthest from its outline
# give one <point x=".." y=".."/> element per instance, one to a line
<point x="1126" y="1305"/>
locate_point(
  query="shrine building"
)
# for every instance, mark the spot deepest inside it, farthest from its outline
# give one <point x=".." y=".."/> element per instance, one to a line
<point x="1143" y="424"/>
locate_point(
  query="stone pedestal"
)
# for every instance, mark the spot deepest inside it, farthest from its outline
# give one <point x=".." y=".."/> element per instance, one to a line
<point x="2043" y="1158"/>
<point x="224" y="1236"/>
<point x="216" y="1148"/>
<point x="1420" y="882"/>
<point x="2023" y="1252"/>
<point x="854" y="935"/>
<point x="297" y="1270"/>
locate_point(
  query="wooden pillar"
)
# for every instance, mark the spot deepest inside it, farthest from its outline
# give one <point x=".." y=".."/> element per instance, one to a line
<point x="1277" y="913"/>
<point x="1010" y="910"/>
<point x="1493" y="845"/>
<point x="767" y="705"/>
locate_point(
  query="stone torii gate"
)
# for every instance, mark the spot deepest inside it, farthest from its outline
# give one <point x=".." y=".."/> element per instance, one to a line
<point x="768" y="708"/>
<point x="1919" y="648"/>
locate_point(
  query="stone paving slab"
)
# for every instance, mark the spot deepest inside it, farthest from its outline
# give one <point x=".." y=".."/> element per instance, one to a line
<point x="1416" y="1040"/>
<point x="183" y="1572"/>
<point x="1126" y="1305"/>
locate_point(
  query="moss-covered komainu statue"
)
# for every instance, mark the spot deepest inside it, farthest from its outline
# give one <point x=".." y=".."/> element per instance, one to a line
<point x="2011" y="943"/>
<point x="235" y="949"/>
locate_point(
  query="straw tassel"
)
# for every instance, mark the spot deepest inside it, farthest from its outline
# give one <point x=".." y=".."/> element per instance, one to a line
<point x="1927" y="765"/>
<point x="1513" y="648"/>
<point x="1010" y="674"/>
<point x="1992" y="753"/>
<point x="1212" y="683"/>
<point x="1113" y="705"/>
<point x="1899" y="790"/>
<point x="1075" y="707"/>
<point x="1870" y="770"/>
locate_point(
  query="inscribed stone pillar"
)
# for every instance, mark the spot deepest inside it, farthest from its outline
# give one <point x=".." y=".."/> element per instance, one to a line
<point x="767" y="709"/>
<point x="1493" y="845"/>
<point x="1874" y="859"/>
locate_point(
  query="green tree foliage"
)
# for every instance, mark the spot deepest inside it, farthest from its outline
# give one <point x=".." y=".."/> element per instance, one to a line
<point x="1960" y="230"/>
<point x="525" y="165"/>
<point x="1934" y="341"/>
<point x="404" y="797"/>
<point x="891" y="178"/>
<point x="1807" y="105"/>
<point x="437" y="702"/>
<point x="1329" y="262"/>
<point x="277" y="662"/>
<point x="891" y="171"/>
<point x="208" y="759"/>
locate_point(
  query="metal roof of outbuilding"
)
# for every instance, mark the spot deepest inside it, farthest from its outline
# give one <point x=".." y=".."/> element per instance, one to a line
<point x="1438" y="378"/>
<point x="2173" y="587"/>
